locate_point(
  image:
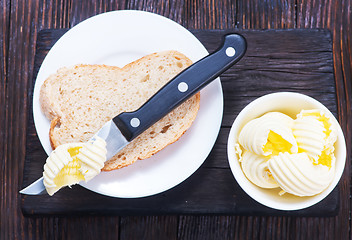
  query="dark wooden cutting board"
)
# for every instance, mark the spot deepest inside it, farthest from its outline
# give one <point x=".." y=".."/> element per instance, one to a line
<point x="276" y="60"/>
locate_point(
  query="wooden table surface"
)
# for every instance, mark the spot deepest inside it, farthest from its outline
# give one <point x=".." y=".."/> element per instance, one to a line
<point x="21" y="20"/>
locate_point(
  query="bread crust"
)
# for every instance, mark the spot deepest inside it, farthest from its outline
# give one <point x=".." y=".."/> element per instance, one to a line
<point x="53" y="124"/>
<point x="62" y="111"/>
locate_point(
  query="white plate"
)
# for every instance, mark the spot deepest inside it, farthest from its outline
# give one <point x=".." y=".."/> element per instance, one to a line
<point x="117" y="38"/>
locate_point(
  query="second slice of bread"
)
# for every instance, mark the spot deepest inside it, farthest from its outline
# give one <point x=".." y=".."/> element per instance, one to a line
<point x="80" y="99"/>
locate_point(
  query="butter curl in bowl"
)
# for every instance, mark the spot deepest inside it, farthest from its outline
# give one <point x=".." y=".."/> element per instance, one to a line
<point x="286" y="150"/>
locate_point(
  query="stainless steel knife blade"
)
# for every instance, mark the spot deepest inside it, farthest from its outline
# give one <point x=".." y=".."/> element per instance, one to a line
<point x="36" y="188"/>
<point x="113" y="137"/>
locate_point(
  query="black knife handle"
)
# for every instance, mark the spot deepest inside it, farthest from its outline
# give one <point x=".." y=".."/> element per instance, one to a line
<point x="181" y="87"/>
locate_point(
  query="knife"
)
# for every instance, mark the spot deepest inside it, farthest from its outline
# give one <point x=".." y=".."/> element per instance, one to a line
<point x="126" y="126"/>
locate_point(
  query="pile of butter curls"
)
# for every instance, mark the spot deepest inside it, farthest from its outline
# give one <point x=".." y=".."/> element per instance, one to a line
<point x="296" y="155"/>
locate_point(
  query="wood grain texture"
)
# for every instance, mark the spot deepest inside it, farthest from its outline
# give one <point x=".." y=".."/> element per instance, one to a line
<point x="210" y="14"/>
<point x="257" y="14"/>
<point x="37" y="14"/>
<point x="25" y="19"/>
<point x="4" y="29"/>
<point x="205" y="227"/>
<point x="82" y="10"/>
<point x="334" y="16"/>
<point x="173" y="10"/>
<point x="149" y="227"/>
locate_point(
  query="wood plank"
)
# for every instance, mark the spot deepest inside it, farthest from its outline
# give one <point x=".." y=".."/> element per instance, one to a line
<point x="148" y="227"/>
<point x="336" y="16"/>
<point x="25" y="19"/>
<point x="4" y="38"/>
<point x="274" y="14"/>
<point x="173" y="10"/>
<point x="210" y="14"/>
<point x="82" y="10"/>
<point x="206" y="227"/>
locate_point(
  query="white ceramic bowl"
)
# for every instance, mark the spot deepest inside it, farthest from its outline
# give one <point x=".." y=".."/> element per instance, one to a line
<point x="290" y="104"/>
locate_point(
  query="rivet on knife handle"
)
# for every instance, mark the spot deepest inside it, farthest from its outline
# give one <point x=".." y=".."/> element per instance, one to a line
<point x="183" y="86"/>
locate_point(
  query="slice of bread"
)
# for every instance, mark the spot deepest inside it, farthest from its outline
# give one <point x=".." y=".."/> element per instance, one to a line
<point x="80" y="99"/>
